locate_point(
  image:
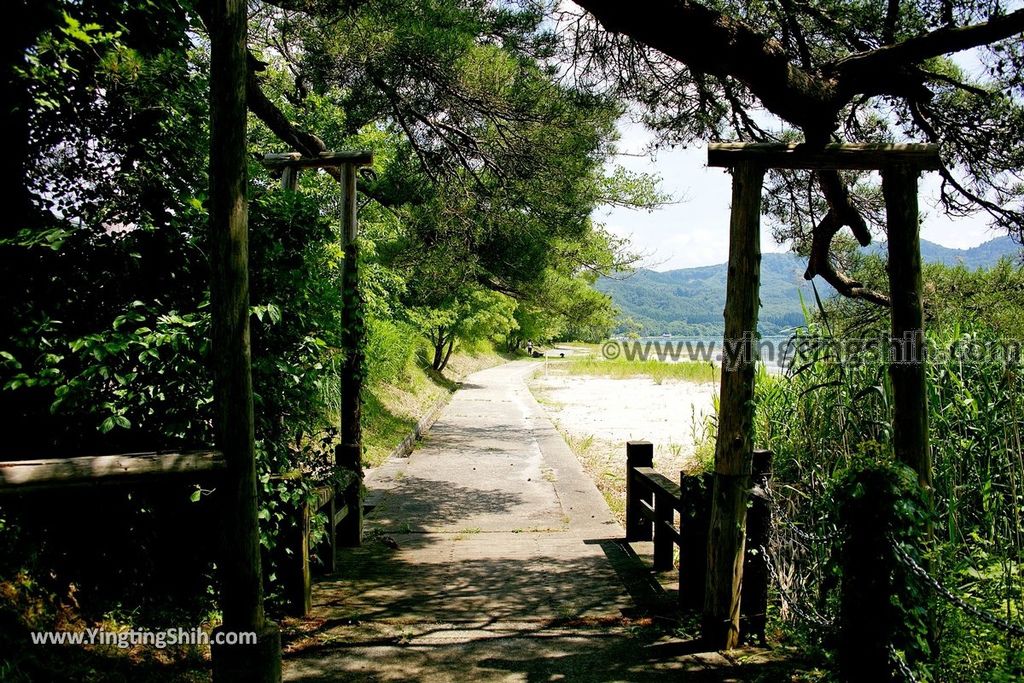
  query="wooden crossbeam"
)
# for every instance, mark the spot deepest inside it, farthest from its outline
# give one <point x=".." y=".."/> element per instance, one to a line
<point x="18" y="476"/>
<point x="656" y="483"/>
<point x="323" y="160"/>
<point x="846" y="156"/>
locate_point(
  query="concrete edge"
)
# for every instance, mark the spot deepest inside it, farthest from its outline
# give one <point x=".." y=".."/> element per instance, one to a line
<point x="423" y="425"/>
<point x="583" y="502"/>
<point x="405" y="448"/>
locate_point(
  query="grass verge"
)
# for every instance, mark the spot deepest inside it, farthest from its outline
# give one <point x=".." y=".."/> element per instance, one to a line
<point x="392" y="409"/>
<point x="621" y="368"/>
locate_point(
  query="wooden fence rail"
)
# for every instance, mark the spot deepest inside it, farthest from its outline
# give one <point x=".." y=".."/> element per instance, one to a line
<point x="20" y="477"/>
<point x="654" y="503"/>
<point x="24" y="476"/>
<point x="297" y="550"/>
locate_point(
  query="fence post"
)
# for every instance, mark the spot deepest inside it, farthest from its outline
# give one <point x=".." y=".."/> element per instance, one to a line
<point x="882" y="605"/>
<point x="663" y="543"/>
<point x="693" y="544"/>
<point x="638" y="454"/>
<point x="754" y="606"/>
<point x="297" y="583"/>
<point x="325" y="550"/>
<point x="349" y="531"/>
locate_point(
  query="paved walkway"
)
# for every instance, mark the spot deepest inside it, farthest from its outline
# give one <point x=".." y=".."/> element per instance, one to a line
<point x="491" y="555"/>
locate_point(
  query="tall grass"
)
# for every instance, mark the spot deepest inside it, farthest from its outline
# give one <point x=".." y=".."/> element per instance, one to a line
<point x="659" y="371"/>
<point x="828" y="411"/>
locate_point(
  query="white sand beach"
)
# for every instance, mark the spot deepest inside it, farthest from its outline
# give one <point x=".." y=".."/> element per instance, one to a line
<point x="618" y="410"/>
<point x="597" y="415"/>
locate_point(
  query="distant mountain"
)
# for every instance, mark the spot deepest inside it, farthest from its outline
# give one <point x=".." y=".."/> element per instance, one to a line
<point x="984" y="255"/>
<point x="690" y="301"/>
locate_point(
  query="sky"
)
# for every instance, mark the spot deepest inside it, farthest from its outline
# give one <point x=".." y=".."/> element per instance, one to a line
<point x="695" y="230"/>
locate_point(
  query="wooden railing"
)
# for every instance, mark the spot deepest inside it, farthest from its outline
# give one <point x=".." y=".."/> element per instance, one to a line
<point x="675" y="515"/>
<point x="24" y="476"/>
<point x="20" y="477"/>
<point x="335" y="505"/>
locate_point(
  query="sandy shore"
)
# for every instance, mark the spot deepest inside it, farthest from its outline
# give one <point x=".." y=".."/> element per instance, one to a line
<point x="597" y="415"/>
<point x="666" y="414"/>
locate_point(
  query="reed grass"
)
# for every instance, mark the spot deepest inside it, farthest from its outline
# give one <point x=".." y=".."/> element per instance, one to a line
<point x="828" y="411"/>
<point x="659" y="371"/>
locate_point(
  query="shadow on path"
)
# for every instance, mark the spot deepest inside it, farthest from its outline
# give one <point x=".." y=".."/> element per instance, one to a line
<point x="415" y="503"/>
<point x="491" y="556"/>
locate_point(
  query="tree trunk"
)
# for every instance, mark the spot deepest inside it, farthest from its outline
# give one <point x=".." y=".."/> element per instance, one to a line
<point x="448" y="353"/>
<point x="438" y="342"/>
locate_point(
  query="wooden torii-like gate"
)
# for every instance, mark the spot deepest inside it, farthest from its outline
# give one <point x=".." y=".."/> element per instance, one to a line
<point x="233" y="384"/>
<point x="348" y="455"/>
<point x="240" y="570"/>
<point x="900" y="165"/>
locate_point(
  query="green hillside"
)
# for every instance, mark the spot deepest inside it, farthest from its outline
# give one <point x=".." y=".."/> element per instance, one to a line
<point x="690" y="301"/>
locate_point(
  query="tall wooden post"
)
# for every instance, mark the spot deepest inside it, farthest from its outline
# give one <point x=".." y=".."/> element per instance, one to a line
<point x="754" y="607"/>
<point x="906" y="366"/>
<point x="734" y="447"/>
<point x="910" y="403"/>
<point x="348" y="457"/>
<point x="241" y="577"/>
<point x="290" y="178"/>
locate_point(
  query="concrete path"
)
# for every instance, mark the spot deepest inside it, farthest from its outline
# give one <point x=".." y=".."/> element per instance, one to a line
<point x="491" y="555"/>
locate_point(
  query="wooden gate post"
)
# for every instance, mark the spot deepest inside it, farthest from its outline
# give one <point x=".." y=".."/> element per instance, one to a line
<point x="734" y="447"/>
<point x="908" y="351"/>
<point x="754" y="607"/>
<point x="910" y="402"/>
<point x="900" y="164"/>
<point x="240" y="572"/>
<point x="348" y="456"/>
